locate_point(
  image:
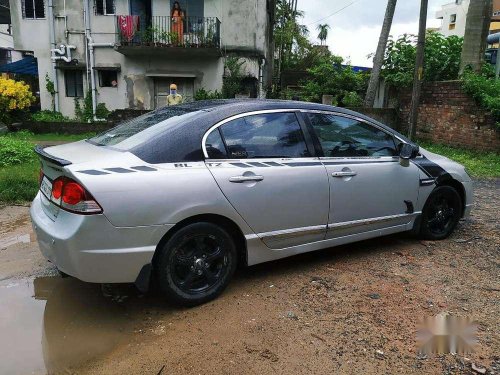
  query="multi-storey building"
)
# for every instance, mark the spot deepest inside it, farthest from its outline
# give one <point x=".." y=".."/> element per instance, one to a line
<point x="128" y="52"/>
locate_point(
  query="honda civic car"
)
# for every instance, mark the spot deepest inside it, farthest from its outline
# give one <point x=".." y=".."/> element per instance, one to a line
<point x="180" y="196"/>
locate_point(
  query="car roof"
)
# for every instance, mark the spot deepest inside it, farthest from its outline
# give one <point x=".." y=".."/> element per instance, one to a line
<point x="183" y="143"/>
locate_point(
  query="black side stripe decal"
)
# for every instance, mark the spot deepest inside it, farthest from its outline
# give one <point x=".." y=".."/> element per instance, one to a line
<point x="241" y="165"/>
<point x="257" y="164"/>
<point x="274" y="164"/>
<point x="119" y="170"/>
<point x="143" y="168"/>
<point x="93" y="172"/>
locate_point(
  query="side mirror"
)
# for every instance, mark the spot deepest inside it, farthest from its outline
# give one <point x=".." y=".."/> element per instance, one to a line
<point x="407" y="151"/>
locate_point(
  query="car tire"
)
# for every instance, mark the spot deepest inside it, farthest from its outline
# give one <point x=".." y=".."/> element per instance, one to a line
<point x="196" y="264"/>
<point x="441" y="213"/>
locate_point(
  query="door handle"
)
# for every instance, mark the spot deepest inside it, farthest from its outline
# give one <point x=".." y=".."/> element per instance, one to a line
<point x="344" y="174"/>
<point x="240" y="179"/>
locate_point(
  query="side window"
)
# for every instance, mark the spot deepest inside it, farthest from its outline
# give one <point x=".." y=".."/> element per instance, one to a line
<point x="73" y="80"/>
<point x="270" y="135"/>
<point x="104" y="7"/>
<point x="214" y="145"/>
<point x="33" y="9"/>
<point x="345" y="137"/>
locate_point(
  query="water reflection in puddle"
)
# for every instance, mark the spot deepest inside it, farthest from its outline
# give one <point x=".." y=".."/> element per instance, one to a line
<point x="51" y="324"/>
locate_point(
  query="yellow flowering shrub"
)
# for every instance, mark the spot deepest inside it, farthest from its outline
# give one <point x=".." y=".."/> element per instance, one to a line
<point x="14" y="95"/>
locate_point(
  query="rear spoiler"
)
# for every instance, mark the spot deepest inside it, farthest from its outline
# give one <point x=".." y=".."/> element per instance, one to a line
<point x="53" y="159"/>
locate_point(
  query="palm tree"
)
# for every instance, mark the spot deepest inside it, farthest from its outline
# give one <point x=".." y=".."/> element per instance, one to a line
<point x="323" y="32"/>
<point x="378" y="60"/>
<point x="477" y="24"/>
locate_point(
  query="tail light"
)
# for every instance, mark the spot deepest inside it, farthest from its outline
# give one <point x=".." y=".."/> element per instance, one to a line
<point x="72" y="196"/>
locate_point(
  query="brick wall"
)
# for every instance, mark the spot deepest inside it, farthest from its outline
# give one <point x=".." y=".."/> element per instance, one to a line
<point x="449" y="116"/>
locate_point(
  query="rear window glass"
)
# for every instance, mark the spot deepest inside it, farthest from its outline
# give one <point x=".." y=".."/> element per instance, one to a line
<point x="143" y="128"/>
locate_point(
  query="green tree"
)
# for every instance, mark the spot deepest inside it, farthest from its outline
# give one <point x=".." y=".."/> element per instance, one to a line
<point x="290" y="35"/>
<point x="330" y="77"/>
<point x="441" y="62"/>
<point x="323" y="32"/>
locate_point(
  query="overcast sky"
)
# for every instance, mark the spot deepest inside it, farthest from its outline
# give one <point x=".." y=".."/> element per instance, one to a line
<point x="354" y="31"/>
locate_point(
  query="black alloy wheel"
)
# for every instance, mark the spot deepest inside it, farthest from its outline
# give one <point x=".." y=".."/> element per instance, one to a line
<point x="196" y="264"/>
<point x="441" y="213"/>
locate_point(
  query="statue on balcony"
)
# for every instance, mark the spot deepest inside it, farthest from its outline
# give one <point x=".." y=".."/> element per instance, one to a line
<point x="174" y="98"/>
<point x="178" y="22"/>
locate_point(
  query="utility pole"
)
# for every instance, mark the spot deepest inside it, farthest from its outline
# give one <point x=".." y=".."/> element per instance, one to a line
<point x="419" y="71"/>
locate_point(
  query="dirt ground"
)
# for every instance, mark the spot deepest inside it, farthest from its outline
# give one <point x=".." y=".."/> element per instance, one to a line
<point x="353" y="309"/>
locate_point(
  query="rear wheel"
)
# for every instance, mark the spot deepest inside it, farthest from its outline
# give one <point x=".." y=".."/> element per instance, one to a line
<point x="196" y="264"/>
<point x="441" y="213"/>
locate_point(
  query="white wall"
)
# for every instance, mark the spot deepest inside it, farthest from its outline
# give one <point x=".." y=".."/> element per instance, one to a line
<point x="461" y="13"/>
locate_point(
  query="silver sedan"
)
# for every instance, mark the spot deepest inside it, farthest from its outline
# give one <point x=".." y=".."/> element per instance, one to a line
<point x="181" y="195"/>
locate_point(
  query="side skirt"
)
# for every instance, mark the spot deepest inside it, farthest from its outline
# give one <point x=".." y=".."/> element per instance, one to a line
<point x="258" y="252"/>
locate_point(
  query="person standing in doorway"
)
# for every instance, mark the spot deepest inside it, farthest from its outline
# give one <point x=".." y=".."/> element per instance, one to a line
<point x="174" y="98"/>
<point x="178" y="22"/>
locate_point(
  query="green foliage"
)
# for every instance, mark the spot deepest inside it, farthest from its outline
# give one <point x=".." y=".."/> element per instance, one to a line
<point x="101" y="112"/>
<point x="484" y="89"/>
<point x="291" y="37"/>
<point x="49" y="116"/>
<point x="202" y="94"/>
<point x="329" y="77"/>
<point x="84" y="113"/>
<point x="232" y="83"/>
<point x="50" y="87"/>
<point x="478" y="163"/>
<point x="15" y="151"/>
<point x="441" y="62"/>
<point x="19" y="183"/>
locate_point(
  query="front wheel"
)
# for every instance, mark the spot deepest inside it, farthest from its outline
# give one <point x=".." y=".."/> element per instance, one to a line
<point x="196" y="264"/>
<point x="441" y="213"/>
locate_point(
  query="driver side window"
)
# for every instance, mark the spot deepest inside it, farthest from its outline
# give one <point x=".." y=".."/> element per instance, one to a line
<point x="345" y="137"/>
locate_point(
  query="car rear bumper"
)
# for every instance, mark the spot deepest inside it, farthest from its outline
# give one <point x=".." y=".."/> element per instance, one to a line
<point x="91" y="249"/>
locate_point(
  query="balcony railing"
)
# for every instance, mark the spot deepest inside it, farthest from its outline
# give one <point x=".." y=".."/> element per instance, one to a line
<point x="164" y="31"/>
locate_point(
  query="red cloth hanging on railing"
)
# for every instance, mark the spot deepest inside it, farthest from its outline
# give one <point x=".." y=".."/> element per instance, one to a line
<point x="128" y="26"/>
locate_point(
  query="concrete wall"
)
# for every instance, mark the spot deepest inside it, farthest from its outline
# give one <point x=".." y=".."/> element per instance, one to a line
<point x="244" y="31"/>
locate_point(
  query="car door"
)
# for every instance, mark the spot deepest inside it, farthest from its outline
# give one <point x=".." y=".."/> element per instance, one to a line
<point x="369" y="189"/>
<point x="264" y="166"/>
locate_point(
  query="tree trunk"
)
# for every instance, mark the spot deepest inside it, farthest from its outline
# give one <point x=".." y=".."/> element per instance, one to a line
<point x="419" y="72"/>
<point x="379" y="55"/>
<point x="476" y="31"/>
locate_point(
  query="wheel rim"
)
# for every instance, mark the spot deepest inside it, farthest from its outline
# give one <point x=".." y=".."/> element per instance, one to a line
<point x="441" y="215"/>
<point x="199" y="263"/>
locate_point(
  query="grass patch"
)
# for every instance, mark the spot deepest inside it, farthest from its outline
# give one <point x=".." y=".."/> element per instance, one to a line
<point x="19" y="183"/>
<point x="19" y="165"/>
<point x="478" y="164"/>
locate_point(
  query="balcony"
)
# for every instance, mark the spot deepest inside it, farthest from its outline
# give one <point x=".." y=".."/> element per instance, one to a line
<point x="161" y="36"/>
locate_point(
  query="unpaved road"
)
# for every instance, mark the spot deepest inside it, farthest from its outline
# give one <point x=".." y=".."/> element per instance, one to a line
<point x="324" y="312"/>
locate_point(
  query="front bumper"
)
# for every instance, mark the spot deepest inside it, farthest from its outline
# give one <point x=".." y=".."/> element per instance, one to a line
<point x="91" y="249"/>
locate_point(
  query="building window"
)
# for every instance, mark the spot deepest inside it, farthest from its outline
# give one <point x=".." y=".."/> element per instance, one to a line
<point x="108" y="78"/>
<point x="104" y="7"/>
<point x="33" y="9"/>
<point x="453" y="18"/>
<point x="73" y="80"/>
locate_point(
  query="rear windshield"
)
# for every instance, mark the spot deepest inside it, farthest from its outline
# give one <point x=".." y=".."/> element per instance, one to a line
<point x="143" y="128"/>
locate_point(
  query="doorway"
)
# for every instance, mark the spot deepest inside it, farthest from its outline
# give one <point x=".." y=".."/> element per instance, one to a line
<point x="185" y="87"/>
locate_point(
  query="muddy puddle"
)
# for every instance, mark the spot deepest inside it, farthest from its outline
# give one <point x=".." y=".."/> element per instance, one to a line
<point x="52" y="324"/>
